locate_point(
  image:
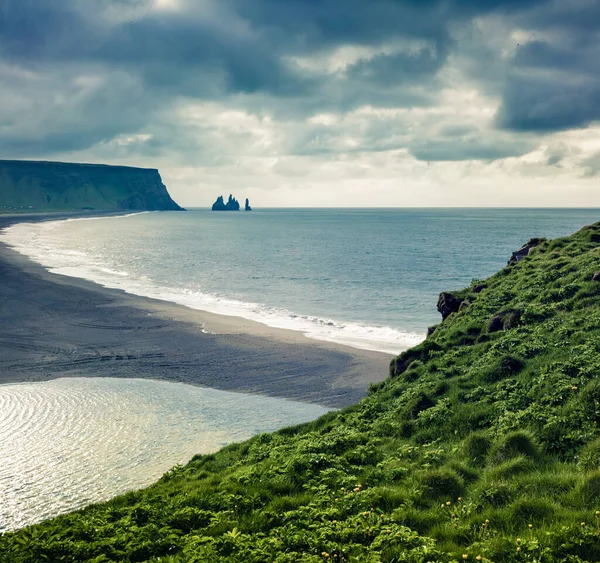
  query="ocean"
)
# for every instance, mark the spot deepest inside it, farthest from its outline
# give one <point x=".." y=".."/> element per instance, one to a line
<point x="366" y="278"/>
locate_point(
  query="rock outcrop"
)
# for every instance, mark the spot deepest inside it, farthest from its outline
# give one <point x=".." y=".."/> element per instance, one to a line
<point x="231" y="205"/>
<point x="247" y="206"/>
<point x="53" y="186"/>
<point x="518" y="255"/>
<point x="447" y="304"/>
<point x="504" y="320"/>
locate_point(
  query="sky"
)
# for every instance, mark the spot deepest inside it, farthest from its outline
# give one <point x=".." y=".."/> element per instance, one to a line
<point x="314" y="103"/>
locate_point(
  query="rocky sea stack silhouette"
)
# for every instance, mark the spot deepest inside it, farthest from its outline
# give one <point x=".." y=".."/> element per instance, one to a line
<point x="231" y="205"/>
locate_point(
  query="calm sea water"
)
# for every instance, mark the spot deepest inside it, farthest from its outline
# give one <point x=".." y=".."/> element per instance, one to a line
<point x="367" y="278"/>
<point x="70" y="442"/>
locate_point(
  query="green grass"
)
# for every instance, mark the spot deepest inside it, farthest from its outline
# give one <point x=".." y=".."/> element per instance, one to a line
<point x="481" y="446"/>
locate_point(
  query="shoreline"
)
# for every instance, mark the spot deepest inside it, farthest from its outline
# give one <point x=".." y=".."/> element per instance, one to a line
<point x="55" y="326"/>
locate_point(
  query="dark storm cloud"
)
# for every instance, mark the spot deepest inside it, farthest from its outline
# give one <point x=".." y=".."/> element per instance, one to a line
<point x="385" y="70"/>
<point x="246" y="52"/>
<point x="553" y="83"/>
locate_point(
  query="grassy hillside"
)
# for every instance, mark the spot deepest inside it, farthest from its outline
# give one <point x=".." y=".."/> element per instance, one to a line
<point x="59" y="186"/>
<point x="482" y="446"/>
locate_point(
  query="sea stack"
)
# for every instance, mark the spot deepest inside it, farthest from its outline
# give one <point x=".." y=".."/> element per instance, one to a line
<point x="247" y="206"/>
<point x="231" y="205"/>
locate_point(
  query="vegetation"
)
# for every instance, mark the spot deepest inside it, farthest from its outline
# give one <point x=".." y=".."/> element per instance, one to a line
<point x="482" y="446"/>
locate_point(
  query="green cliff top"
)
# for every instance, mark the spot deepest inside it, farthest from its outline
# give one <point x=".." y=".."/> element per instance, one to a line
<point x="482" y="446"/>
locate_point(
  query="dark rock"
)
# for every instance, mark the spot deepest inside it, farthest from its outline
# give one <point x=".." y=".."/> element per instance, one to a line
<point x="518" y="255"/>
<point x="464" y="305"/>
<point x="420" y="352"/>
<point x="495" y="324"/>
<point x="478" y="288"/>
<point x="420" y="403"/>
<point x="247" y="205"/>
<point x="400" y="364"/>
<point x="231" y="205"/>
<point x="431" y="330"/>
<point x="447" y="304"/>
<point x="594" y="237"/>
<point x="596" y="277"/>
<point x="504" y="320"/>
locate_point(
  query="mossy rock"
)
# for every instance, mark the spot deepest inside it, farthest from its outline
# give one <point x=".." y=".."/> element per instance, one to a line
<point x="514" y="445"/>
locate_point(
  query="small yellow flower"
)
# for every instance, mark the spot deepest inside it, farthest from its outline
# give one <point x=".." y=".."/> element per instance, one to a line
<point x="465" y="556"/>
<point x="518" y="540"/>
<point x="597" y="513"/>
<point x="487" y="521"/>
<point x="519" y="548"/>
<point x="583" y="524"/>
<point x="479" y="558"/>
<point x="448" y="503"/>
<point x="459" y="499"/>
<point x="574" y="387"/>
<point x="324" y="554"/>
<point x="530" y="526"/>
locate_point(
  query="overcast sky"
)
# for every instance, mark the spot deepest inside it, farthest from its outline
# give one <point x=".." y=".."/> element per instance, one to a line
<point x="314" y="102"/>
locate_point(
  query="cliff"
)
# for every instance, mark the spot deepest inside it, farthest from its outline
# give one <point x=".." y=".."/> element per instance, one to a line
<point x="483" y="445"/>
<point x="48" y="186"/>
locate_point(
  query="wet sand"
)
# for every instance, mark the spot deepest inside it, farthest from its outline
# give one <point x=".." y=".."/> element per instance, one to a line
<point x="56" y="326"/>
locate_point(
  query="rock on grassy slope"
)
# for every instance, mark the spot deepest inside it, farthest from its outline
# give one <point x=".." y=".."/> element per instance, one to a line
<point x="483" y="445"/>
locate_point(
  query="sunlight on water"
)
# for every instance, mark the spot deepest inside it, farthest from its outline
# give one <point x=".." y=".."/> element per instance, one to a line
<point x="67" y="443"/>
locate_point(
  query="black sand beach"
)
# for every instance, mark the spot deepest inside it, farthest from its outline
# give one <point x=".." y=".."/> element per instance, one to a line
<point x="54" y="326"/>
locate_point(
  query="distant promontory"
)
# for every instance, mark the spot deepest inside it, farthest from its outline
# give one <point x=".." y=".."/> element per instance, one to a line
<point x="231" y="205"/>
<point x="58" y="186"/>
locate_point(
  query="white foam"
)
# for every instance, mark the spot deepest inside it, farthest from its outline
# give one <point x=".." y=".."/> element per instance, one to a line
<point x="31" y="240"/>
